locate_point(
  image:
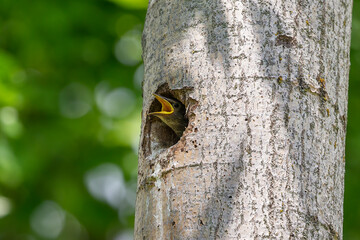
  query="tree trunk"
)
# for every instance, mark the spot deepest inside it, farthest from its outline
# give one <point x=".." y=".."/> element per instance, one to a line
<point x="265" y="85"/>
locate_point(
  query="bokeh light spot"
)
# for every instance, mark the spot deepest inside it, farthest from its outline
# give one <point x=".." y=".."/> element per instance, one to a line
<point x="128" y="48"/>
<point x="106" y="183"/>
<point x="8" y="115"/>
<point x="75" y="100"/>
<point x="9" y="122"/>
<point x="48" y="220"/>
<point x="116" y="103"/>
<point x="125" y="235"/>
<point x="5" y="206"/>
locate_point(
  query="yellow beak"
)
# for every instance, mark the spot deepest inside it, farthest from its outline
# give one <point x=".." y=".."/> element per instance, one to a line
<point x="166" y="107"/>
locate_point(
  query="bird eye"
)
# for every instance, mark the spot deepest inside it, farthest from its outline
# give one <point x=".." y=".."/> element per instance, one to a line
<point x="176" y="105"/>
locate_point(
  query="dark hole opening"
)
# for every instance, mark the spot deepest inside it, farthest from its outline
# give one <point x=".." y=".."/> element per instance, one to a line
<point x="160" y="135"/>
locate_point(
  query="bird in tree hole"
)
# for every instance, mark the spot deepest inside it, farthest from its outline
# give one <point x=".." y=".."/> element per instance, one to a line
<point x="172" y="114"/>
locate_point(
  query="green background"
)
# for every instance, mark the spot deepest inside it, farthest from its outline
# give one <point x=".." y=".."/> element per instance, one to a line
<point x="70" y="103"/>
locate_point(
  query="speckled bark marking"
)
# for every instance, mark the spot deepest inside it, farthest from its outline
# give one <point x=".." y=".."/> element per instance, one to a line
<point x="266" y="86"/>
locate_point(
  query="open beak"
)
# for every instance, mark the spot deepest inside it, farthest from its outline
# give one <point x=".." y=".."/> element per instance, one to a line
<point x="166" y="107"/>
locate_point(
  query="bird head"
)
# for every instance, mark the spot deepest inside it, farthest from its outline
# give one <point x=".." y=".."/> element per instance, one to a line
<point x="172" y="114"/>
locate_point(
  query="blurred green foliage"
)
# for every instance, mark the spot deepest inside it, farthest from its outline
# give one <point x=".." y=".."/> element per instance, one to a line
<point x="70" y="103"/>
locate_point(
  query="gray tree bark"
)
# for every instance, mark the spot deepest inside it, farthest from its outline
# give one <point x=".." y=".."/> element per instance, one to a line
<point x="265" y="85"/>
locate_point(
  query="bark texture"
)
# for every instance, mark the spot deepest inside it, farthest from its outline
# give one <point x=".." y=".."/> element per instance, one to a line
<point x="265" y="84"/>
